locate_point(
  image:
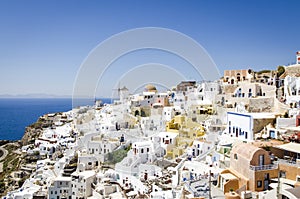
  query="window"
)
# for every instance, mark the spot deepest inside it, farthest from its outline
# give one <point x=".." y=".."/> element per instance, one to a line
<point x="235" y="156"/>
<point x="142" y="150"/>
<point x="259" y="184"/>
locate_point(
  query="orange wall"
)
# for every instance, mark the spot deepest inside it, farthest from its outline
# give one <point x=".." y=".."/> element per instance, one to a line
<point x="231" y="184"/>
<point x="290" y="171"/>
<point x="260" y="175"/>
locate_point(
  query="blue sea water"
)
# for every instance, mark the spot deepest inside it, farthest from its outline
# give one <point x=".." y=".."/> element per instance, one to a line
<point x="16" y="114"/>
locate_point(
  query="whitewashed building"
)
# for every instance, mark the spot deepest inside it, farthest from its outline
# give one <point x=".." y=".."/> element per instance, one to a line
<point x="60" y="188"/>
<point x="82" y="184"/>
<point x="292" y="90"/>
<point x="244" y="126"/>
<point x="169" y="112"/>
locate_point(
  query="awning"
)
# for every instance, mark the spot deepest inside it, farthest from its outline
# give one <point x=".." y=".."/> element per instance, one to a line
<point x="292" y="147"/>
<point x="228" y="176"/>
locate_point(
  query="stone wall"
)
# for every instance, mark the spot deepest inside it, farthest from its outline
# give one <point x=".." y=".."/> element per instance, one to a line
<point x="261" y="104"/>
<point x="259" y="124"/>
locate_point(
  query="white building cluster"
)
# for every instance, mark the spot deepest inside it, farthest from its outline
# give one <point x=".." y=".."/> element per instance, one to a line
<point x="171" y="144"/>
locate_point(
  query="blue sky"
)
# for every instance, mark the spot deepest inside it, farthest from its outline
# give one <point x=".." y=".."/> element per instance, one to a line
<point x="43" y="43"/>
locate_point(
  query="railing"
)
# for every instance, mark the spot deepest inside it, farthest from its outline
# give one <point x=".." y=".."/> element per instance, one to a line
<point x="263" y="167"/>
<point x="288" y="162"/>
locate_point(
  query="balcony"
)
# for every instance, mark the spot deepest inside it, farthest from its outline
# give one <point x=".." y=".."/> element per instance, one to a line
<point x="263" y="167"/>
<point x="294" y="163"/>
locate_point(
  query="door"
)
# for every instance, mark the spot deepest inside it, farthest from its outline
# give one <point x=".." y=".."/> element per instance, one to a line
<point x="266" y="181"/>
<point x="266" y="184"/>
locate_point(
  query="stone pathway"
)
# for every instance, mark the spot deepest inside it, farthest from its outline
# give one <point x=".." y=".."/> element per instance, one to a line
<point x="4" y="154"/>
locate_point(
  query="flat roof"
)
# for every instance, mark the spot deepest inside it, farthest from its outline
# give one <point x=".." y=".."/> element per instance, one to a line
<point x="62" y="178"/>
<point x="292" y="128"/>
<point x="263" y="115"/>
<point x="294" y="191"/>
<point x="84" y="174"/>
<point x="285" y="181"/>
<point x="283" y="186"/>
<point x="164" y="133"/>
<point x="293" y="147"/>
<point x="228" y="176"/>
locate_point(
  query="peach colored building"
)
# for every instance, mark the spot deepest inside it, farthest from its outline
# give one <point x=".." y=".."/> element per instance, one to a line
<point x="250" y="168"/>
<point x="289" y="161"/>
<point x="235" y="76"/>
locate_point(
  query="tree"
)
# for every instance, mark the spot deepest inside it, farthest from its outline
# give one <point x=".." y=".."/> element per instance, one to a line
<point x="280" y="70"/>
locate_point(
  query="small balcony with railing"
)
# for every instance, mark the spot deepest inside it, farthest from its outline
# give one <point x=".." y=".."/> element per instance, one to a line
<point x="263" y="167"/>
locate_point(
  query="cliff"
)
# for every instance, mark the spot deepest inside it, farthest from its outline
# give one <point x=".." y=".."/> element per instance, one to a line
<point x="34" y="130"/>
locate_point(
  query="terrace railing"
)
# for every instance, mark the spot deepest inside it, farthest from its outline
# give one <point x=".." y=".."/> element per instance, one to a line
<point x="264" y="167"/>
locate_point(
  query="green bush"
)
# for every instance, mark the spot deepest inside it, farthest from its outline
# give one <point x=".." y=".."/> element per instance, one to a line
<point x="118" y="155"/>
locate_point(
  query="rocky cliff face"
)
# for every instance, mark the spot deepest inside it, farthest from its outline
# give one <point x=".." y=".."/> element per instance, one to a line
<point x="30" y="135"/>
<point x="34" y="130"/>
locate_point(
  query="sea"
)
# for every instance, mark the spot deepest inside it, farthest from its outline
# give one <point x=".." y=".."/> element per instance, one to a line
<point x="16" y="114"/>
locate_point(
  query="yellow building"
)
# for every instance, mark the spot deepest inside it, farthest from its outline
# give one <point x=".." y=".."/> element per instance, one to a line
<point x="187" y="131"/>
<point x="185" y="127"/>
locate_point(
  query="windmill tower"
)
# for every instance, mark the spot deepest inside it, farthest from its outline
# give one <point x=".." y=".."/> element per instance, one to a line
<point x="123" y="93"/>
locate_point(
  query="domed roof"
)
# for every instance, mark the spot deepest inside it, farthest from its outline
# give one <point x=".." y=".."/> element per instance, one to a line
<point x="246" y="150"/>
<point x="150" y="88"/>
